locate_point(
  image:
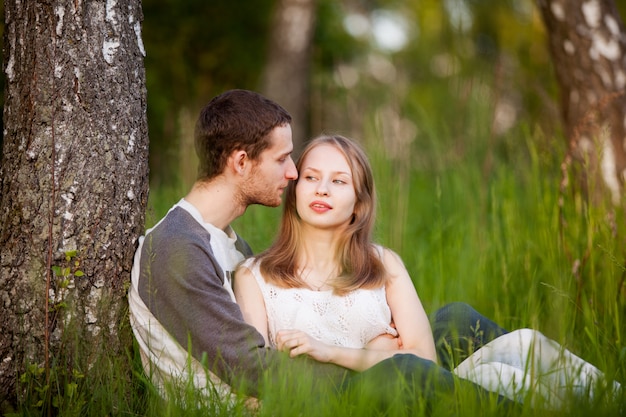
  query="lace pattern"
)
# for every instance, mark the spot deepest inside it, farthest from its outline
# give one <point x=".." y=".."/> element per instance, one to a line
<point x="351" y="320"/>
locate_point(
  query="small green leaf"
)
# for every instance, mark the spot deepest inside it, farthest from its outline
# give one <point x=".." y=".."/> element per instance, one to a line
<point x="79" y="273"/>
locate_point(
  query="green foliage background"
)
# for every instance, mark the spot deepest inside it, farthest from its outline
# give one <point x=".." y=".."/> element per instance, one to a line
<point x="477" y="211"/>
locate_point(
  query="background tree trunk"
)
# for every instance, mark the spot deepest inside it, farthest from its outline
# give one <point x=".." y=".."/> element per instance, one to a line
<point x="73" y="177"/>
<point x="588" y="47"/>
<point x="287" y="74"/>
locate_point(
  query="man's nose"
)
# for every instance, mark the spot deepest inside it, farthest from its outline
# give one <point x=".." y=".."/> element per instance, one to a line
<point x="291" y="173"/>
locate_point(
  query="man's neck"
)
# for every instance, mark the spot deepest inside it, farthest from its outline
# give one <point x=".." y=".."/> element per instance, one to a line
<point x="216" y="201"/>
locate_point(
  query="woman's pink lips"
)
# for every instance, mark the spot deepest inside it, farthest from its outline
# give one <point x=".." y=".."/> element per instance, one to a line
<point x="320" y="206"/>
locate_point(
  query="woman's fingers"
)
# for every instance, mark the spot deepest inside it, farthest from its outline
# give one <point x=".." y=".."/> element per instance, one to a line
<point x="293" y="341"/>
<point x="287" y="340"/>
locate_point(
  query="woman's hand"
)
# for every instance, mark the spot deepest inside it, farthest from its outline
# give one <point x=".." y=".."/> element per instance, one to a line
<point x="385" y="342"/>
<point x="296" y="342"/>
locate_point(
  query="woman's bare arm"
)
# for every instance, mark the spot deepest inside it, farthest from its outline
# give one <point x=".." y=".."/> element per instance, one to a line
<point x="250" y="300"/>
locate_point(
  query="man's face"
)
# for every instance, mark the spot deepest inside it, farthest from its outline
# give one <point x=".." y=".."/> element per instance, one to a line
<point x="272" y="171"/>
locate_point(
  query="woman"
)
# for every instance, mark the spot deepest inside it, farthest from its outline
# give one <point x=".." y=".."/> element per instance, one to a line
<point x="325" y="290"/>
<point x="324" y="261"/>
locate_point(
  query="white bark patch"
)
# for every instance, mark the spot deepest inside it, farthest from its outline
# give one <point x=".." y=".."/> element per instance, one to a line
<point x="110" y="44"/>
<point x="68" y="197"/>
<point x="609" y="48"/>
<point x="131" y="143"/>
<point x="592" y="13"/>
<point x="505" y="116"/>
<point x="109" y="49"/>
<point x="569" y="47"/>
<point x="612" y="25"/>
<point x="608" y="168"/>
<point x="111" y="16"/>
<point x="557" y="11"/>
<point x="585" y="144"/>
<point x="9" y="68"/>
<point x="137" y="29"/>
<point x="60" y="13"/>
<point x="297" y="20"/>
<point x="58" y="71"/>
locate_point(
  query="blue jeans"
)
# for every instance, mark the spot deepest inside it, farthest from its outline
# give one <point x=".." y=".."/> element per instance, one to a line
<point x="406" y="381"/>
<point x="459" y="330"/>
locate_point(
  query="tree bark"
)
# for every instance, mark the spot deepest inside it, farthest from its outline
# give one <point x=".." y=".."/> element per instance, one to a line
<point x="588" y="45"/>
<point x="286" y="77"/>
<point x="73" y="181"/>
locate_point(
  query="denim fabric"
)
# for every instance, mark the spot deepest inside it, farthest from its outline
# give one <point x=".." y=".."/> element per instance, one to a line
<point x="459" y="330"/>
<point x="408" y="383"/>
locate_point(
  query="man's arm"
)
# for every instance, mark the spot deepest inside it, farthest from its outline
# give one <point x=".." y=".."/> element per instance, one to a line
<point x="182" y="285"/>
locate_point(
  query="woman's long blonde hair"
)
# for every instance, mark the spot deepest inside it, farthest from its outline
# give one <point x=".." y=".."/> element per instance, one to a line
<point x="358" y="260"/>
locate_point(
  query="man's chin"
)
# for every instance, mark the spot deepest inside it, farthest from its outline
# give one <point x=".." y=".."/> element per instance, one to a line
<point x="269" y="203"/>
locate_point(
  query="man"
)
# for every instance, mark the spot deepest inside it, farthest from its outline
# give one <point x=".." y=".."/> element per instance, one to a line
<point x="182" y="308"/>
<point x="183" y="312"/>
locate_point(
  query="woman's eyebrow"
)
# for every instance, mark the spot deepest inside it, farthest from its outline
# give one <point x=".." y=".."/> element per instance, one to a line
<point x="315" y="170"/>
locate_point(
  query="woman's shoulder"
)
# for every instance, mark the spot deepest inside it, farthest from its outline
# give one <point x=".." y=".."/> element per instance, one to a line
<point x="249" y="263"/>
<point x="386" y="254"/>
<point x="392" y="262"/>
<point x="249" y="266"/>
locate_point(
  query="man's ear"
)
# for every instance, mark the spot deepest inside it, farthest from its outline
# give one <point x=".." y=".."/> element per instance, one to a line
<point x="239" y="161"/>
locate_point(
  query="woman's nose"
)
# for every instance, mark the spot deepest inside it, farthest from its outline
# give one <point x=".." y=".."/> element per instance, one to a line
<point x="322" y="189"/>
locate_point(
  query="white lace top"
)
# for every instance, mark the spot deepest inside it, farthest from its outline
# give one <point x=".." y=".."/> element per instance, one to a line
<point x="350" y="320"/>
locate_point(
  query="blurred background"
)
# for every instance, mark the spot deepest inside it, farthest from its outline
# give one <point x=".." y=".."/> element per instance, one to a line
<point x="412" y="74"/>
<point x="455" y="102"/>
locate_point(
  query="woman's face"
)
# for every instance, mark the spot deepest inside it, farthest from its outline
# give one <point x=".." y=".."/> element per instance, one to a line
<point x="325" y="195"/>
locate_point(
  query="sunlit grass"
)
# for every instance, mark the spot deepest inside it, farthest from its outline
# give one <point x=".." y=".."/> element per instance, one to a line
<point x="495" y="237"/>
<point x="499" y="241"/>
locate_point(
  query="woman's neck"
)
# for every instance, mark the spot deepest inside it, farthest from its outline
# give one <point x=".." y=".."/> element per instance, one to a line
<point x="319" y="246"/>
<point x="317" y="263"/>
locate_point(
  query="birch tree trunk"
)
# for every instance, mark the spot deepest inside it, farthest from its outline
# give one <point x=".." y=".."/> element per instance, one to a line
<point x="588" y="45"/>
<point x="286" y="77"/>
<point x="73" y="182"/>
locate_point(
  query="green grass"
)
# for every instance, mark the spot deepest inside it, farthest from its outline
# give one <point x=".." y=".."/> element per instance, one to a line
<point x="496" y="238"/>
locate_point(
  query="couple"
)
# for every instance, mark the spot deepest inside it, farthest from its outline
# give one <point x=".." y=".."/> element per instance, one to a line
<point x="182" y="306"/>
